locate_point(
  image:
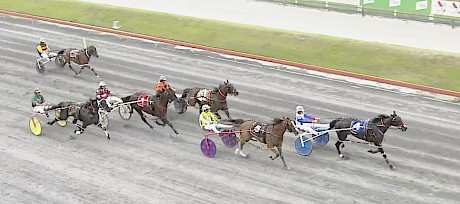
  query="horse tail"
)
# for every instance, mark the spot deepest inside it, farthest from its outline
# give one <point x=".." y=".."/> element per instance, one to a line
<point x="185" y="93"/>
<point x="332" y="124"/>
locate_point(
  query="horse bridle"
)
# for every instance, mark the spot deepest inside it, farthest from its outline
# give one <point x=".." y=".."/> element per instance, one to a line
<point x="393" y="118"/>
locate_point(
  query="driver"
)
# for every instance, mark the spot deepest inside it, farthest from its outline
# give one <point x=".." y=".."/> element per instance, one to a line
<point x="307" y="122"/>
<point x="39" y="105"/>
<point x="209" y="121"/>
<point x="44" y="52"/>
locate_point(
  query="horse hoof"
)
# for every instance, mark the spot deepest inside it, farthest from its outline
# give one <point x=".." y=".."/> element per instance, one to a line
<point x="97" y="76"/>
<point x="392" y="167"/>
<point x="49" y="123"/>
<point x="77" y="132"/>
<point x="343" y="157"/>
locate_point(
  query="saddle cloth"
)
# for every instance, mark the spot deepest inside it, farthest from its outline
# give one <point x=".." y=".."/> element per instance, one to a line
<point x="202" y="95"/>
<point x="358" y="127"/>
<point x="73" y="53"/>
<point x="143" y="100"/>
<point x="258" y="129"/>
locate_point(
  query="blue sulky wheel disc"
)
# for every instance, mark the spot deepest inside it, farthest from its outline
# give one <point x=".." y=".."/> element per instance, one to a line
<point x="208" y="148"/>
<point x="304" y="150"/>
<point x="35" y="126"/>
<point x="322" y="140"/>
<point x="228" y="138"/>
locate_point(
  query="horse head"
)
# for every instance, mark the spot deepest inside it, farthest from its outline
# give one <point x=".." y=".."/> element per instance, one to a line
<point x="397" y="121"/>
<point x="386" y="121"/>
<point x="92" y="51"/>
<point x="92" y="105"/>
<point x="228" y="88"/>
<point x="286" y="123"/>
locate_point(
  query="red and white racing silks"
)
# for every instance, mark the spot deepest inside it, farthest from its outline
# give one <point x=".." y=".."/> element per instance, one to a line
<point x="102" y="93"/>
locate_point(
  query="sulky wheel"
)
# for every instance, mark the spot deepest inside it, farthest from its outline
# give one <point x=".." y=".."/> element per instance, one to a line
<point x="208" y="148"/>
<point x="322" y="140"/>
<point x="35" y="126"/>
<point x="303" y="148"/>
<point x="228" y="138"/>
<point x="40" y="67"/>
<point x="125" y="111"/>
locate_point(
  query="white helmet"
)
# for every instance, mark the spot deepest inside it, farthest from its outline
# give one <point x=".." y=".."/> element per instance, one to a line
<point x="102" y="83"/>
<point x="299" y="109"/>
<point x="42" y="40"/>
<point x="205" y="107"/>
<point x="162" y="78"/>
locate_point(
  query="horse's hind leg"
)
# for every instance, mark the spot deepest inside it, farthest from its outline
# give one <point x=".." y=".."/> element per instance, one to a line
<point x="339" y="143"/>
<point x="239" y="149"/>
<point x="70" y="66"/>
<point x="143" y="118"/>
<point x="52" y="122"/>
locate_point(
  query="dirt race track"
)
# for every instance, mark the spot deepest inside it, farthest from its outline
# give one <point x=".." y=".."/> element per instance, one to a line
<point x="140" y="165"/>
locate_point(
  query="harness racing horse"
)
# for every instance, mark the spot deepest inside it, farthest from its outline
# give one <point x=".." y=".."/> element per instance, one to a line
<point x="87" y="112"/>
<point x="269" y="134"/>
<point x="216" y="98"/>
<point x="155" y="106"/>
<point x="81" y="58"/>
<point x="372" y="132"/>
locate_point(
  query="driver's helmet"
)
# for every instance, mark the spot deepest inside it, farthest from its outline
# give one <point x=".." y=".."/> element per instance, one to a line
<point x="299" y="109"/>
<point x="37" y="90"/>
<point x="205" y="108"/>
<point x="42" y="41"/>
<point x="102" y="84"/>
<point x="162" y="78"/>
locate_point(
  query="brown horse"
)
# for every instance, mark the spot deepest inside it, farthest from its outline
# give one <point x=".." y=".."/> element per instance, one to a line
<point x="216" y="98"/>
<point x="80" y="57"/>
<point x="155" y="106"/>
<point x="270" y="134"/>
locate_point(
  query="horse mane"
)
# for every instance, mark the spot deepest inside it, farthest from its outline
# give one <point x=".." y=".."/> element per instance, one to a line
<point x="277" y="121"/>
<point x="380" y="116"/>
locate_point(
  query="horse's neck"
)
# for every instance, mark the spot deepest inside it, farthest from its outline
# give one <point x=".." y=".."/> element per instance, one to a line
<point x="222" y="92"/>
<point x="383" y="126"/>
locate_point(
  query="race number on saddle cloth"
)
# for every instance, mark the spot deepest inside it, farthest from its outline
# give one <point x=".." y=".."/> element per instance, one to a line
<point x="259" y="129"/>
<point x="143" y="100"/>
<point x="307" y="122"/>
<point x="209" y="121"/>
<point x="202" y="95"/>
<point x="39" y="105"/>
<point x="358" y="127"/>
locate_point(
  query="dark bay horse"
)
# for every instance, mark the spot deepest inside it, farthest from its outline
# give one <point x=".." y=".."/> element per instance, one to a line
<point x="81" y="58"/>
<point x="372" y="133"/>
<point x="272" y="135"/>
<point x="217" y="98"/>
<point x="87" y="112"/>
<point x="154" y="106"/>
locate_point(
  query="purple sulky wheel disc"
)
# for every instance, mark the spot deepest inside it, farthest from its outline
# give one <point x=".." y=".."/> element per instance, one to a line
<point x="229" y="138"/>
<point x="208" y="148"/>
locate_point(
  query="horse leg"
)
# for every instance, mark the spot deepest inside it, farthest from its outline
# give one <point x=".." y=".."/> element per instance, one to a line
<point x="80" y="129"/>
<point x="239" y="149"/>
<point x="384" y="155"/>
<point x="339" y="143"/>
<point x="143" y="118"/>
<point x="70" y="66"/>
<point x="105" y="130"/>
<point x="92" y="69"/>
<point x="166" y="121"/>
<point x="217" y="115"/>
<point x="52" y="122"/>
<point x="227" y="113"/>
<point x="276" y="151"/>
<point x="280" y="150"/>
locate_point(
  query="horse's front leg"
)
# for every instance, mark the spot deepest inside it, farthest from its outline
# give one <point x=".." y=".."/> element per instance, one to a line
<point x="239" y="149"/>
<point x="92" y="69"/>
<point x="227" y="113"/>
<point x="105" y="130"/>
<point x="217" y="115"/>
<point x="166" y="121"/>
<point x="80" y="129"/>
<point x="384" y="155"/>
